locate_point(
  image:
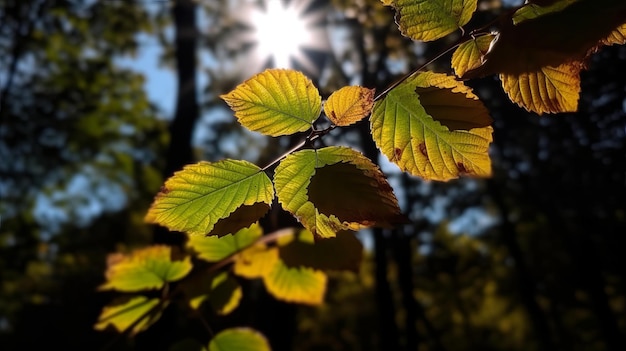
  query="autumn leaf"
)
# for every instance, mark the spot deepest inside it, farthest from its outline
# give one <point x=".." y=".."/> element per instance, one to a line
<point x="143" y="269"/>
<point x="469" y="55"/>
<point x="427" y="20"/>
<point x="349" y="105"/>
<point x="296" y="285"/>
<point x="552" y="35"/>
<point x="213" y="198"/>
<point x="276" y="102"/>
<point x="341" y="253"/>
<point x="549" y="90"/>
<point x="138" y="312"/>
<point x="617" y="37"/>
<point x="256" y="261"/>
<point x="295" y="174"/>
<point x="239" y="339"/>
<point x="434" y="127"/>
<point x="214" y="248"/>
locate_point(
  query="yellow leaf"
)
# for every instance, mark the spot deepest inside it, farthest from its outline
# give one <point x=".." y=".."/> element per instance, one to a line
<point x="148" y="268"/>
<point x="137" y="312"/>
<point x="434" y="127"/>
<point x="298" y="285"/>
<point x="214" y="248"/>
<point x="297" y="171"/>
<point x="550" y="90"/>
<point x="349" y="105"/>
<point x="225" y="294"/>
<point x="276" y="102"/>
<point x="617" y="37"/>
<point x="469" y="55"/>
<point x="255" y="261"/>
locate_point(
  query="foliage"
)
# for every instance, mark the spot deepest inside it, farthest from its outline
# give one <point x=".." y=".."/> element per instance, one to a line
<point x="431" y="125"/>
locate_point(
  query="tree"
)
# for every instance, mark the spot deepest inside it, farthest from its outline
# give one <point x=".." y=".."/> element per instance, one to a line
<point x="443" y="146"/>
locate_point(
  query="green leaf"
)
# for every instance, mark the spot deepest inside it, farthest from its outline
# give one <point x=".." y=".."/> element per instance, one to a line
<point x="239" y="339"/>
<point x="213" y="248"/>
<point x="195" y="199"/>
<point x="276" y="102"/>
<point x="349" y="105"/>
<point x="469" y="55"/>
<point x="294" y="175"/>
<point x="429" y="20"/>
<point x="531" y="11"/>
<point x="138" y="312"/>
<point x="143" y="269"/>
<point x="341" y="253"/>
<point x="434" y="127"/>
<point x="549" y="90"/>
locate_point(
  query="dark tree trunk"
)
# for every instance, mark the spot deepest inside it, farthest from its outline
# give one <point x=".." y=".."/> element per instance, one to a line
<point x="180" y="152"/>
<point x="525" y="281"/>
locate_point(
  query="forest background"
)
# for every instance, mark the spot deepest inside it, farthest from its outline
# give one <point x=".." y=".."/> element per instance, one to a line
<point x="528" y="259"/>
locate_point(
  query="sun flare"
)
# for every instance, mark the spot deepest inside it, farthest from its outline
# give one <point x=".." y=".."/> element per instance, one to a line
<point x="283" y="31"/>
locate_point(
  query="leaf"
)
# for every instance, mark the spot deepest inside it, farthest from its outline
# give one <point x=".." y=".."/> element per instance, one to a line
<point x="225" y="294"/>
<point x="196" y="198"/>
<point x="429" y="20"/>
<point x="293" y="177"/>
<point x="256" y="261"/>
<point x="349" y="105"/>
<point x="276" y="102"/>
<point x="434" y="127"/>
<point x="213" y="248"/>
<point x="148" y="268"/>
<point x="531" y="11"/>
<point x="341" y="253"/>
<point x="550" y="90"/>
<point x="138" y="312"/>
<point x="618" y="36"/>
<point x="297" y="285"/>
<point x="469" y="55"/>
<point x="239" y="339"/>
<point x="356" y="195"/>
<point x="553" y="38"/>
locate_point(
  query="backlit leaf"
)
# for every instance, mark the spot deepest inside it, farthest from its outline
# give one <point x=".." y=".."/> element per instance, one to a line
<point x="349" y="105"/>
<point x="213" y="248"/>
<point x="469" y="55"/>
<point x="553" y="37"/>
<point x="138" y="312"/>
<point x="434" y="127"/>
<point x="428" y="20"/>
<point x="255" y="261"/>
<point x="213" y="198"/>
<point x="356" y="193"/>
<point x="276" y="102"/>
<point x="239" y="339"/>
<point x="225" y="294"/>
<point x="297" y="285"/>
<point x="550" y="90"/>
<point x="148" y="268"/>
<point x="343" y="252"/>
<point x="618" y="36"/>
<point x="294" y="175"/>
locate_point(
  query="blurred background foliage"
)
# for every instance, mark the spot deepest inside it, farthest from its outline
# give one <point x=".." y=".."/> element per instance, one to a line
<point x="530" y="259"/>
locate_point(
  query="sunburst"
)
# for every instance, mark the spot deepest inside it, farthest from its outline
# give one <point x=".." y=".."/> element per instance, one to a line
<point x="285" y="33"/>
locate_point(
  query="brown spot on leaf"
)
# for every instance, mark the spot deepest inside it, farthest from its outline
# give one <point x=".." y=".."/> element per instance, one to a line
<point x="462" y="170"/>
<point x="397" y="153"/>
<point x="164" y="190"/>
<point x="423" y="150"/>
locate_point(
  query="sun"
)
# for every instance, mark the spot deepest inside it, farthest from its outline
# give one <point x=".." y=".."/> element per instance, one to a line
<point x="284" y="31"/>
